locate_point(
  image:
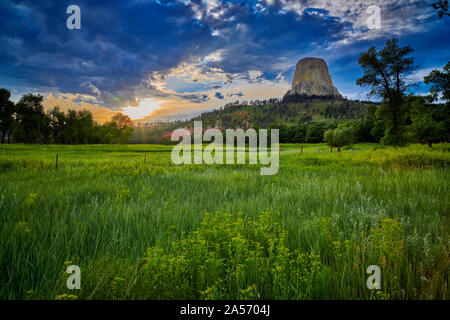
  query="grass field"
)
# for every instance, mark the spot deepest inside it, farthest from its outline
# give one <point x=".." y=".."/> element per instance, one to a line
<point x="140" y="227"/>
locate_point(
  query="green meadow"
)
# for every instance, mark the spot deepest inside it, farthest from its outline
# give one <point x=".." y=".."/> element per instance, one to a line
<point x="140" y="227"/>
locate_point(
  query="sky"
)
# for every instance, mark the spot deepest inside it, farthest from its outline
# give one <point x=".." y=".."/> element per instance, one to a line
<point x="158" y="60"/>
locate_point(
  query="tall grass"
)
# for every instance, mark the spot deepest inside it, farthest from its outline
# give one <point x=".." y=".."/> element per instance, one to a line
<point x="155" y="230"/>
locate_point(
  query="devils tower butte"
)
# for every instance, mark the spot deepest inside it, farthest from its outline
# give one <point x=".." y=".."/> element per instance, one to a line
<point x="312" y="78"/>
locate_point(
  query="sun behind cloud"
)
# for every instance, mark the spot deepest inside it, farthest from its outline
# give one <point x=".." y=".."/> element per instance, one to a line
<point x="145" y="108"/>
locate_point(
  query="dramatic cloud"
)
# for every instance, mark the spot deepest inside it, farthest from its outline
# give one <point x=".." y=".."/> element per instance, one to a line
<point x="165" y="59"/>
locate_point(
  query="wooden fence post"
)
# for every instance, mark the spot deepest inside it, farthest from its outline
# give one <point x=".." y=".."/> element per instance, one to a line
<point x="56" y="166"/>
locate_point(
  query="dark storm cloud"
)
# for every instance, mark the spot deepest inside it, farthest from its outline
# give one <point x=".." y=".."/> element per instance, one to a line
<point x="120" y="44"/>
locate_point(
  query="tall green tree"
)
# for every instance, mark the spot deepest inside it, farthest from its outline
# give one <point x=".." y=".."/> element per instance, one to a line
<point x="33" y="122"/>
<point x="368" y="131"/>
<point x="385" y="72"/>
<point x="440" y="82"/>
<point x="7" y="110"/>
<point x="428" y="120"/>
<point x="57" y="124"/>
<point x="79" y="127"/>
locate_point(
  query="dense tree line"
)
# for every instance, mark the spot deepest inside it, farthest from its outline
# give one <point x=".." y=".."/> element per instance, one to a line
<point x="28" y="122"/>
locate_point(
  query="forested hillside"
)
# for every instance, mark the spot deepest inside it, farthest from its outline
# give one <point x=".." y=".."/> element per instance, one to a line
<point x="266" y="113"/>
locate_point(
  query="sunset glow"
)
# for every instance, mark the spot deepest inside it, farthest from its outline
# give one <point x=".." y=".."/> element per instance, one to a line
<point x="145" y="108"/>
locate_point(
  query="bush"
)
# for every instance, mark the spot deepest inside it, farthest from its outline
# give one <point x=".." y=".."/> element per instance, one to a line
<point x="339" y="137"/>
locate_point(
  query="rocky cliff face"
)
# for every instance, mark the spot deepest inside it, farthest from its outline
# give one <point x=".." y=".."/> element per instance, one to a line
<point x="312" y="78"/>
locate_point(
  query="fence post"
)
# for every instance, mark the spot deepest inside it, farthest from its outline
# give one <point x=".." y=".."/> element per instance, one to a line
<point x="301" y="150"/>
<point x="56" y="166"/>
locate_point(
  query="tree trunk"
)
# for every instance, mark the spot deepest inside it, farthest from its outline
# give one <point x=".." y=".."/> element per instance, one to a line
<point x="339" y="149"/>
